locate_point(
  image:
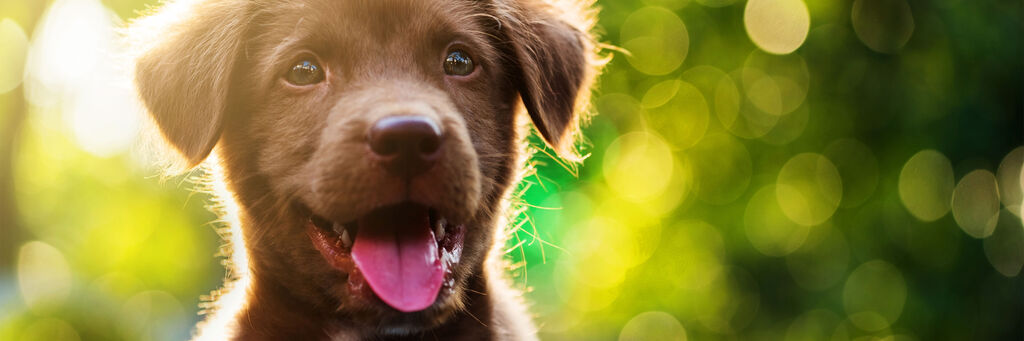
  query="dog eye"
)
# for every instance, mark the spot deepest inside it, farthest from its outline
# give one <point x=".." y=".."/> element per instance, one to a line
<point x="305" y="72"/>
<point x="458" y="63"/>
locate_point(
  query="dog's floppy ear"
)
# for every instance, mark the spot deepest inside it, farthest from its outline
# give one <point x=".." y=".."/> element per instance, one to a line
<point x="555" y="62"/>
<point x="185" y="56"/>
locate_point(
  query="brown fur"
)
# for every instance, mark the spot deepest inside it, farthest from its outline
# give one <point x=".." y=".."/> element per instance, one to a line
<point x="210" y="73"/>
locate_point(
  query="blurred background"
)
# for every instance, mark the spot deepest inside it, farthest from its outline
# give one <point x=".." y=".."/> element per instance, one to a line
<point x="758" y="170"/>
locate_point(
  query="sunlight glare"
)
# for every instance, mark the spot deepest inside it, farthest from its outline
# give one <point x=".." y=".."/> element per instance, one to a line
<point x="77" y="65"/>
<point x="12" y="56"/>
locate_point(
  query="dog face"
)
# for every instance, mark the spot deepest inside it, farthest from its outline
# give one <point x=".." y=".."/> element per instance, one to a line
<point x="369" y="143"/>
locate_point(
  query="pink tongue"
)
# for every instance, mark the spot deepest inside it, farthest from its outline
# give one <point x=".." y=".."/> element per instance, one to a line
<point x="396" y="252"/>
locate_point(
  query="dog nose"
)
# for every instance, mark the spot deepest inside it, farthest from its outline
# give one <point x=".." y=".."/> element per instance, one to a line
<point x="408" y="145"/>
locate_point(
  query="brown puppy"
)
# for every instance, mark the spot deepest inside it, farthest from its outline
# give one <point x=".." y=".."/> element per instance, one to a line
<point x="368" y="146"/>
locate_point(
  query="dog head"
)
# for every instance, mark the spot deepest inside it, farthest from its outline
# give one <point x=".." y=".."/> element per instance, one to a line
<point x="368" y="142"/>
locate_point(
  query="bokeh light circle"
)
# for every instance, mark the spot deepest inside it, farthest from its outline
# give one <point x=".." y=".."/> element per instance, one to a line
<point x="676" y="193"/>
<point x="656" y="39"/>
<point x="762" y="91"/>
<point x="719" y="90"/>
<point x="659" y="94"/>
<point x="653" y="325"/>
<point x="777" y="26"/>
<point x="678" y="111"/>
<point x="727" y="100"/>
<point x="1005" y="247"/>
<point x="809" y="189"/>
<point x="603" y="248"/>
<point x="926" y="185"/>
<point x="44" y="276"/>
<point x="739" y="114"/>
<point x="768" y="228"/>
<point x="722" y="168"/>
<point x="883" y="25"/>
<point x="638" y="166"/>
<point x="976" y="203"/>
<point x="775" y="84"/>
<point x="858" y="168"/>
<point x="874" y="295"/>
<point x="12" y="55"/>
<point x="1009" y="176"/>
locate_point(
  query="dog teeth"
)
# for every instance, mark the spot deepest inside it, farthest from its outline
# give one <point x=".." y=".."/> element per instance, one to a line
<point x="439" y="228"/>
<point x="345" y="239"/>
<point x="340" y="229"/>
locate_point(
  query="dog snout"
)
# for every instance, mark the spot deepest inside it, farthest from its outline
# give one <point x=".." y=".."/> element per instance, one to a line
<point x="406" y="145"/>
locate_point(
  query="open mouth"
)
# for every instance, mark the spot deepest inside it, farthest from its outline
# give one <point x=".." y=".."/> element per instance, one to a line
<point x="404" y="252"/>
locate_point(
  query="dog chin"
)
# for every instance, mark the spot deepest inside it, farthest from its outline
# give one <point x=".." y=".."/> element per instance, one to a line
<point x="385" y="321"/>
<point x="406" y="326"/>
